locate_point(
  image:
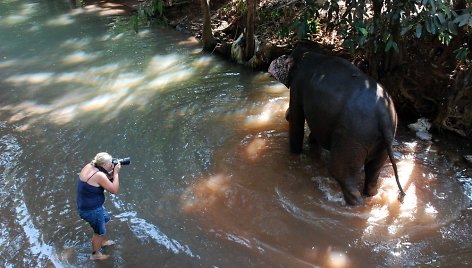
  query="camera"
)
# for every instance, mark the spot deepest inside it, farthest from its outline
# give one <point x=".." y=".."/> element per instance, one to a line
<point x="123" y="161"/>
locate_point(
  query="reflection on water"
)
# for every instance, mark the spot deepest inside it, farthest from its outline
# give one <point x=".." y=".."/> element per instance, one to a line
<point x="211" y="183"/>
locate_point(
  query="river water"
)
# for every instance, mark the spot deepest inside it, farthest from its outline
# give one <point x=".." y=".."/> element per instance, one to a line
<point x="211" y="182"/>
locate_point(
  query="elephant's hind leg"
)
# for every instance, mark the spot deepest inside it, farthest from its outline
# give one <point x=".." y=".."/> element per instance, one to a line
<point x="372" y="172"/>
<point x="347" y="159"/>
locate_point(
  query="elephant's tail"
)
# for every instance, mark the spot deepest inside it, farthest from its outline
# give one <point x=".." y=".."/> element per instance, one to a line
<point x="389" y="122"/>
<point x="395" y="171"/>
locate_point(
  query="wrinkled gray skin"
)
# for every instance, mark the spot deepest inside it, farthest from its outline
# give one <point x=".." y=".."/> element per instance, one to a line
<point x="347" y="112"/>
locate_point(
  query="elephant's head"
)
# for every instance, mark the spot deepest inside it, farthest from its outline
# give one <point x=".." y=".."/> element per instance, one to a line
<point x="280" y="69"/>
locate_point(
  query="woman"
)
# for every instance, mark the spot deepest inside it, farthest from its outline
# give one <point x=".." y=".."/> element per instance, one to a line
<point x="95" y="177"/>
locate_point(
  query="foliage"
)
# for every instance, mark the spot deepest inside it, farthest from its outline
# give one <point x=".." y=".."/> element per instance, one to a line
<point x="357" y="21"/>
<point x="304" y="25"/>
<point x="150" y="11"/>
<point x="269" y="14"/>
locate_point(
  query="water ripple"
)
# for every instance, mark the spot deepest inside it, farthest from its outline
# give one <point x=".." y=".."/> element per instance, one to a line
<point x="145" y="230"/>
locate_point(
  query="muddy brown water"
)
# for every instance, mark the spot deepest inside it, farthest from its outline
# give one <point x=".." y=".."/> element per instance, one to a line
<point x="211" y="182"/>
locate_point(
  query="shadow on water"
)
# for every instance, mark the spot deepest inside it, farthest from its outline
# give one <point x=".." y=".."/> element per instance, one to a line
<point x="211" y="181"/>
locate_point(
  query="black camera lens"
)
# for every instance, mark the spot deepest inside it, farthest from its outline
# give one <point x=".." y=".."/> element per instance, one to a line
<point x="123" y="161"/>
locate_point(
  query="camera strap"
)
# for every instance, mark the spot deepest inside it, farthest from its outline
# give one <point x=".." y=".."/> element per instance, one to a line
<point x="103" y="170"/>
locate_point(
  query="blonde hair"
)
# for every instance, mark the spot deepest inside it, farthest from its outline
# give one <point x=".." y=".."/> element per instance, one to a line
<point x="101" y="159"/>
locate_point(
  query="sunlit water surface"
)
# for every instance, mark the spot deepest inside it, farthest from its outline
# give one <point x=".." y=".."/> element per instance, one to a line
<point x="211" y="182"/>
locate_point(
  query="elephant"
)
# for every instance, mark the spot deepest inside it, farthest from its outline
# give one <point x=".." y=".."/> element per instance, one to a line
<point x="347" y="112"/>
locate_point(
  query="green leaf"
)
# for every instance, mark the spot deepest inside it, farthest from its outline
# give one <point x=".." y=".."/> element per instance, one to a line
<point x="395" y="47"/>
<point x="441" y="18"/>
<point x="159" y="7"/>
<point x="389" y="45"/>
<point x="362" y="41"/>
<point x="464" y="20"/>
<point x="433" y="29"/>
<point x="452" y="27"/>
<point x="405" y="29"/>
<point x="461" y="53"/>
<point x="135" y="23"/>
<point x="428" y="25"/>
<point x="363" y="31"/>
<point x="433" y="7"/>
<point x="419" y="30"/>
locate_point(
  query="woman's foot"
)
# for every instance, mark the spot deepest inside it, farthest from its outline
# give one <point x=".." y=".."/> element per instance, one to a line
<point x="99" y="257"/>
<point x="108" y="243"/>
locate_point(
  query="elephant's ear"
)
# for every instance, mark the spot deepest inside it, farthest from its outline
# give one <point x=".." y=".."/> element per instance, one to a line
<point x="280" y="69"/>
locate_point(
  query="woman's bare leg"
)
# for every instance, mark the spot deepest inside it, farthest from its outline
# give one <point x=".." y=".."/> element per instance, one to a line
<point x="97" y="242"/>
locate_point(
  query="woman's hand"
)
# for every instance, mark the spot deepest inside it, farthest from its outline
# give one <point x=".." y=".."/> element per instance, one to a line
<point x="117" y="168"/>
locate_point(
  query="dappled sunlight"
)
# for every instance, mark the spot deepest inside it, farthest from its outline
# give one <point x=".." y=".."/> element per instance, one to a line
<point x="128" y="81"/>
<point x="62" y="20"/>
<point x="108" y="9"/>
<point x="78" y="57"/>
<point x="80" y="81"/>
<point x="389" y="189"/>
<point x="33" y="79"/>
<point x="205" y="193"/>
<point x="64" y="115"/>
<point x="76" y="43"/>
<point x="28" y="9"/>
<point x="160" y="63"/>
<point x="74" y="77"/>
<point x="122" y="90"/>
<point x="204" y="61"/>
<point x="108" y="69"/>
<point x="255" y="148"/>
<point x="8" y="63"/>
<point x="277" y="88"/>
<point x="47" y="79"/>
<point x="13" y="20"/>
<point x="22" y="15"/>
<point x="25" y="109"/>
<point x="189" y="41"/>
<point x="116" y="37"/>
<point x="389" y="216"/>
<point x="336" y="259"/>
<point x="265" y="115"/>
<point x="163" y="81"/>
<point x="101" y="103"/>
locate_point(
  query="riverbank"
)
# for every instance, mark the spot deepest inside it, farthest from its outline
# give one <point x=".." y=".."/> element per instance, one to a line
<point x="437" y="90"/>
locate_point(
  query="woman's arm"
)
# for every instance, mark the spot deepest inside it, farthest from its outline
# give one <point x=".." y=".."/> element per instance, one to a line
<point x="110" y="186"/>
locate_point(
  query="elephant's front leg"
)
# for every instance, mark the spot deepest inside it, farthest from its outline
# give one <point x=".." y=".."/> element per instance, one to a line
<point x="296" y="121"/>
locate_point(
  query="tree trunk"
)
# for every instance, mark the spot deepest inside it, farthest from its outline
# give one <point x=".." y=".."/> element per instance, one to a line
<point x="374" y="53"/>
<point x="208" y="39"/>
<point x="250" y="44"/>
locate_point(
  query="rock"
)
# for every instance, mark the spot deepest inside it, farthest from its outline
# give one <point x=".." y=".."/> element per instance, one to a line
<point x="468" y="158"/>
<point x="421" y="127"/>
